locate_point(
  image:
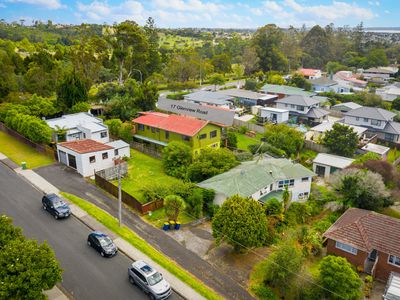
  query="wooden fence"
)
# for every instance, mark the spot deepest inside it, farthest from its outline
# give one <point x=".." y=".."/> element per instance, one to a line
<point x="146" y="149"/>
<point x="47" y="150"/>
<point x="127" y="198"/>
<point x="315" y="147"/>
<point x="249" y="126"/>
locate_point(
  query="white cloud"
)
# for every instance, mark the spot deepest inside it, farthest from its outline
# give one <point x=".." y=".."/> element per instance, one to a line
<point x="387" y="12"/>
<point x="49" y="4"/>
<point x="101" y="11"/>
<point x="272" y="6"/>
<point x="189" y="5"/>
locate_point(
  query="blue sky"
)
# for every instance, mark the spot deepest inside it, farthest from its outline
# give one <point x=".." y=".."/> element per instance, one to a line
<point x="207" y="13"/>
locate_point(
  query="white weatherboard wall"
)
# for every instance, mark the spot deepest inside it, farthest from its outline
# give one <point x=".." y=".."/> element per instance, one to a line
<point x="365" y="122"/>
<point x="281" y="116"/>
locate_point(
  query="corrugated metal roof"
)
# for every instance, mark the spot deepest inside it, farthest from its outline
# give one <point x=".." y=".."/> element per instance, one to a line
<point x="285" y="90"/>
<point x="298" y="100"/>
<point x="333" y="160"/>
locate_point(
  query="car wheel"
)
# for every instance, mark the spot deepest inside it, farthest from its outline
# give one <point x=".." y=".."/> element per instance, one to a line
<point x="131" y="280"/>
<point x="89" y="243"/>
<point x="152" y="297"/>
<point x="55" y="217"/>
<point x="102" y="253"/>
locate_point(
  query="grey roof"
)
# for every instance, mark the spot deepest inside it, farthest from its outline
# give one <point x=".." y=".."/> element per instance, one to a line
<point x="323" y="81"/>
<point x="298" y="100"/>
<point x="371" y="113"/>
<point x="379" y="70"/>
<point x="285" y="90"/>
<point x="392" y="127"/>
<point x="118" y="144"/>
<point x="208" y="97"/>
<point x="325" y="126"/>
<point x="251" y="176"/>
<point x="316" y="113"/>
<point x="333" y="160"/>
<point x="379" y="149"/>
<point x="321" y="99"/>
<point x="81" y="119"/>
<point x="246" y="94"/>
<point x="351" y="105"/>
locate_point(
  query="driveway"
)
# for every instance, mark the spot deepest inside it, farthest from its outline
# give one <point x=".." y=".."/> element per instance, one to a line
<point x="69" y="181"/>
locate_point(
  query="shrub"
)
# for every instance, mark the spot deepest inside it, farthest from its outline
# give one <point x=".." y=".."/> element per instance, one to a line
<point x="284" y="137"/>
<point x="80" y="107"/>
<point x="232" y="140"/>
<point x="125" y="131"/>
<point x="113" y="126"/>
<point x="264" y="292"/>
<point x="173" y="205"/>
<point x="194" y="203"/>
<point x="242" y="129"/>
<point x="176" y="157"/>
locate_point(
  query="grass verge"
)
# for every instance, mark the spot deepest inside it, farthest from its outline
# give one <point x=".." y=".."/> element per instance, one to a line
<point x="112" y="223"/>
<point x="19" y="152"/>
<point x="158" y="218"/>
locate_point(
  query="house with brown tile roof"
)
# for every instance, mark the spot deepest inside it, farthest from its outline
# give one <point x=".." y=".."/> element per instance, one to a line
<point x="368" y="240"/>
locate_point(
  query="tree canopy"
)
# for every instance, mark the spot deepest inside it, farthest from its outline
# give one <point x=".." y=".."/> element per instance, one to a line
<point x="341" y="140"/>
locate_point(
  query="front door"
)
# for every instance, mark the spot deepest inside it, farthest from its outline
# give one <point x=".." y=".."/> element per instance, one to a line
<point x="63" y="157"/>
<point x="320" y="170"/>
<point x="72" y="161"/>
<point x="372" y="255"/>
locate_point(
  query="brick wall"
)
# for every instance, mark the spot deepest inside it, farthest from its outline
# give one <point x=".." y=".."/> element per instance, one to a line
<point x="356" y="260"/>
<point x="383" y="268"/>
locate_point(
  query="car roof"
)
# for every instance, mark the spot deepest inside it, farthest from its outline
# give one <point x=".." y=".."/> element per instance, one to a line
<point x="144" y="267"/>
<point x="99" y="234"/>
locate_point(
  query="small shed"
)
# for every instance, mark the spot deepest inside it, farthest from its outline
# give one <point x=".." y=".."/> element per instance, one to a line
<point x="272" y="114"/>
<point x="382" y="151"/>
<point x="326" y="164"/>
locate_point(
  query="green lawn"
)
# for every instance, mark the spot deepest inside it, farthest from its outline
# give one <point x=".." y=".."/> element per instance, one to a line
<point x="391" y="212"/>
<point x="244" y="141"/>
<point x="158" y="218"/>
<point x="19" y="152"/>
<point x="131" y="237"/>
<point x="393" y="155"/>
<point x="144" y="170"/>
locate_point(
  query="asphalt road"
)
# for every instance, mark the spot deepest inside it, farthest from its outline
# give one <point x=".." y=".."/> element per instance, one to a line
<point x="86" y="275"/>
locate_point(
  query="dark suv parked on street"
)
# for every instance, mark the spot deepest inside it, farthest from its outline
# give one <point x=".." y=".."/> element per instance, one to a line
<point x="56" y="206"/>
<point x="102" y="243"/>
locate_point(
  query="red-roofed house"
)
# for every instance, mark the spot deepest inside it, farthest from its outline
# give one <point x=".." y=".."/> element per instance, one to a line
<point x="90" y="156"/>
<point x="310" y="73"/>
<point x="368" y="240"/>
<point x="159" y="129"/>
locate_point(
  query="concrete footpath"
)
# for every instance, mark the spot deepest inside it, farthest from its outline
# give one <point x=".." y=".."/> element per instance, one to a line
<point x="56" y="294"/>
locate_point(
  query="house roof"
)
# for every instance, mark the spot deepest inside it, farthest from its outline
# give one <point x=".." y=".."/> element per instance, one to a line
<point x="298" y="100"/>
<point x="85" y="146"/>
<point x="371" y="113"/>
<point x="316" y="113"/>
<point x="325" y="126"/>
<point x="81" y="119"/>
<point x="285" y="90"/>
<point x="175" y="123"/>
<point x="379" y="149"/>
<point x="309" y="72"/>
<point x="251" y="176"/>
<point x="208" y="97"/>
<point x="351" y="105"/>
<point x="392" y="127"/>
<point x="322" y="81"/>
<point x="246" y="94"/>
<point x="379" y="70"/>
<point x="333" y="160"/>
<point x="367" y="230"/>
<point x="118" y="144"/>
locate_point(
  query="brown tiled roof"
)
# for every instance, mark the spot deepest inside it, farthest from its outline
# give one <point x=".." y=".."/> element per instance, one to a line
<point x="85" y="146"/>
<point x="367" y="230"/>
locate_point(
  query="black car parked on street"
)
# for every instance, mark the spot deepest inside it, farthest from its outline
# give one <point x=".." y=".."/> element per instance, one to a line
<point x="56" y="206"/>
<point x="102" y="243"/>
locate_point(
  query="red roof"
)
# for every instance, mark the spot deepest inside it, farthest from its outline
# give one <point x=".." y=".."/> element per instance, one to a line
<point x="174" y="123"/>
<point x="367" y="230"/>
<point x="309" y="72"/>
<point x="85" y="146"/>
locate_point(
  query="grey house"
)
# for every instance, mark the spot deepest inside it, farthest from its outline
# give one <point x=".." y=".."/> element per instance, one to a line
<point x="210" y="98"/>
<point x="323" y="84"/>
<point x="346" y="106"/>
<point x="377" y="120"/>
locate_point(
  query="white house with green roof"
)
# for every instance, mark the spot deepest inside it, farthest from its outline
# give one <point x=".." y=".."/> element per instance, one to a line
<point x="262" y="180"/>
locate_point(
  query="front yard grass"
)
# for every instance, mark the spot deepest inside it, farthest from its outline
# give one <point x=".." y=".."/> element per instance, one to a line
<point x="158" y="218"/>
<point x="19" y="152"/>
<point x="112" y="223"/>
<point x="393" y="155"/>
<point x="244" y="141"/>
<point x="143" y="171"/>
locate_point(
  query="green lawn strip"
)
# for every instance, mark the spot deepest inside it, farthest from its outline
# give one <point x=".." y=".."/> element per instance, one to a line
<point x="243" y="141"/>
<point x="112" y="223"/>
<point x="19" y="152"/>
<point x="158" y="218"/>
<point x="144" y="170"/>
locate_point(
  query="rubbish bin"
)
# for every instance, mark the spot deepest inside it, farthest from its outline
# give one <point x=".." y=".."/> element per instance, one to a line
<point x="166" y="226"/>
<point x="23" y="165"/>
<point x="171" y="224"/>
<point x="177" y="225"/>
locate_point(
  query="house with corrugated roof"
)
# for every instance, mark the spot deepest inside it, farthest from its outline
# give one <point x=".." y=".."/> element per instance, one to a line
<point x="262" y="180"/>
<point x="324" y="84"/>
<point x="158" y="129"/>
<point x="210" y="98"/>
<point x="368" y="240"/>
<point x="285" y="90"/>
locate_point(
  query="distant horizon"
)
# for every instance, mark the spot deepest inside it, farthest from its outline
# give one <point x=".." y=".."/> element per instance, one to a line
<point x="224" y="14"/>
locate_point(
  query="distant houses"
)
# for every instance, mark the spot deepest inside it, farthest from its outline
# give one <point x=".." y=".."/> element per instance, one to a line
<point x="310" y="73"/>
<point x="323" y="84"/>
<point x="210" y="98"/>
<point x="379" y="75"/>
<point x="284" y="90"/>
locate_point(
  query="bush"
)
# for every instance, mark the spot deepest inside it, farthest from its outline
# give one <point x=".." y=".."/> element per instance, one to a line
<point x="176" y="157"/>
<point x="284" y="137"/>
<point x="173" y="205"/>
<point x="242" y="129"/>
<point x="194" y="203"/>
<point x="113" y="126"/>
<point x="125" y="131"/>
<point x="232" y="140"/>
<point x="366" y="157"/>
<point x="250" y="84"/>
<point x="177" y="95"/>
<point x="264" y="292"/>
<point x="267" y="148"/>
<point x="80" y="107"/>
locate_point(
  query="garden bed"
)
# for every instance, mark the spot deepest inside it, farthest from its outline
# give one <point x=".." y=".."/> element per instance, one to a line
<point x="158" y="218"/>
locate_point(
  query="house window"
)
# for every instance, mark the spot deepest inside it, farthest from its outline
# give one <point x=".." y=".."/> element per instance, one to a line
<point x="148" y="127"/>
<point x="376" y="122"/>
<point x="213" y="134"/>
<point x="286" y="105"/>
<point x="153" y="130"/>
<point x="92" y="159"/>
<point x="84" y="135"/>
<point x="299" y="107"/>
<point x="284" y="183"/>
<point x="394" y="260"/>
<point x="304" y="179"/>
<point x="157" y="130"/>
<point x="389" y="137"/>
<point x="103" y="134"/>
<point x="366" y="120"/>
<point x="357" y="119"/>
<point x="105" y="155"/>
<point x="185" y="138"/>
<point x="116" y="152"/>
<point x="140" y="127"/>
<point x="167" y="135"/>
<point x="292" y="105"/>
<point x="346" y="248"/>
<point x="202" y="136"/>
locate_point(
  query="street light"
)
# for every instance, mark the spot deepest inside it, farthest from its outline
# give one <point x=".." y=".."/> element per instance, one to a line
<point x="140" y="72"/>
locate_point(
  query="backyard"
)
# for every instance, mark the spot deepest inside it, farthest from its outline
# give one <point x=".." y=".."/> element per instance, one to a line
<point x="19" y="152"/>
<point x="244" y="141"/>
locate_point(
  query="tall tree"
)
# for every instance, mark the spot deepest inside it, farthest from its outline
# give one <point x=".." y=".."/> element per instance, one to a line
<point x="341" y="140"/>
<point x="317" y="48"/>
<point x="154" y="58"/>
<point x="71" y="91"/>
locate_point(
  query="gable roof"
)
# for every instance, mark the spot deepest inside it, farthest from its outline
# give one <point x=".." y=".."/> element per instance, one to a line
<point x="379" y="70"/>
<point x="323" y="81"/>
<point x="285" y="90"/>
<point x="298" y="100"/>
<point x="308" y="72"/>
<point x="246" y="94"/>
<point x="333" y="160"/>
<point x="371" y="113"/>
<point x="175" y="123"/>
<point x="351" y="105"/>
<point x="325" y="126"/>
<point x="85" y="146"/>
<point x="208" y="97"/>
<point x="392" y="127"/>
<point x="367" y="230"/>
<point x="251" y="176"/>
<point x="316" y="113"/>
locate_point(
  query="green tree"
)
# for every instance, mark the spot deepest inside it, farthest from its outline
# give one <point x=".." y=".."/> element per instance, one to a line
<point x="217" y="79"/>
<point x="232" y="140"/>
<point x="377" y="57"/>
<point x="241" y="222"/>
<point x="250" y="60"/>
<point x="396" y="103"/>
<point x="173" y="205"/>
<point x="284" y="137"/>
<point x="125" y="131"/>
<point x="72" y="90"/>
<point x="195" y="202"/>
<point x="222" y="63"/>
<point x="8" y="231"/>
<point x="113" y="126"/>
<point x="333" y="66"/>
<point x="250" y="84"/>
<point x="317" y="48"/>
<point x="276" y="79"/>
<point x="341" y="140"/>
<point x="339" y="278"/>
<point x="80" y="107"/>
<point x="299" y="81"/>
<point x="176" y="157"/>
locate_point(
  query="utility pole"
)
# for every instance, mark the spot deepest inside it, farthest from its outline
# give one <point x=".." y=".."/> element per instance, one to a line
<point x="119" y="193"/>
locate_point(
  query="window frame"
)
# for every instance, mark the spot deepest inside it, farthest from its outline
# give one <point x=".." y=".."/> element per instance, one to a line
<point x="141" y="127"/>
<point x="305" y="179"/>
<point x="92" y="159"/>
<point x="213" y="134"/>
<point x="167" y="135"/>
<point x="396" y="258"/>
<point x="342" y="246"/>
<point x="202" y="136"/>
<point x="116" y="152"/>
<point x="103" y="134"/>
<point x="376" y="122"/>
<point x="104" y="155"/>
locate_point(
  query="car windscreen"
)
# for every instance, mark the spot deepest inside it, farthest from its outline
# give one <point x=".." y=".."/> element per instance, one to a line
<point x="105" y="241"/>
<point x="155" y="278"/>
<point x="58" y="203"/>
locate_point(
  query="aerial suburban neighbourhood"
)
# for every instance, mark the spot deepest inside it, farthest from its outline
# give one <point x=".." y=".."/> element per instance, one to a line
<point x="200" y="149"/>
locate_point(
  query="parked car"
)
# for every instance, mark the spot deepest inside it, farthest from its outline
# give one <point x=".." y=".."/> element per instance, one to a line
<point x="56" y="206"/>
<point x="149" y="280"/>
<point x="102" y="243"/>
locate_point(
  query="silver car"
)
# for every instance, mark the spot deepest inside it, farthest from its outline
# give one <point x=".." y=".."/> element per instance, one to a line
<point x="149" y="280"/>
